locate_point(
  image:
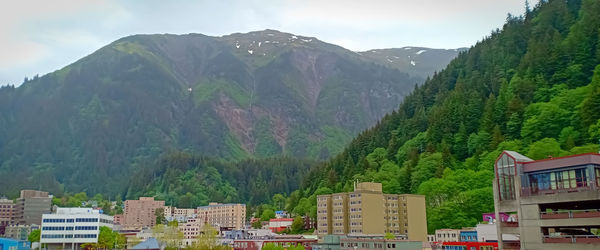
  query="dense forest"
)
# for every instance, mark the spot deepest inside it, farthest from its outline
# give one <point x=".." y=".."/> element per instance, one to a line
<point x="186" y="180"/>
<point x="532" y="87"/>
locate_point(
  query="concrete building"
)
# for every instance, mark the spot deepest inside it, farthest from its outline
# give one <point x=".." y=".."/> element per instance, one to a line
<point x="369" y="211"/>
<point x="179" y="214"/>
<point x="71" y="227"/>
<point x="556" y="201"/>
<point x="191" y="229"/>
<point x="141" y="213"/>
<point x="447" y="235"/>
<point x="7" y="208"/>
<point x="223" y="216"/>
<point x="19" y="232"/>
<point x="30" y="206"/>
<point x="489" y="233"/>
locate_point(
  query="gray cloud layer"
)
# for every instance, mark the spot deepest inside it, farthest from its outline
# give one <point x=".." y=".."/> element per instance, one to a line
<point x="38" y="37"/>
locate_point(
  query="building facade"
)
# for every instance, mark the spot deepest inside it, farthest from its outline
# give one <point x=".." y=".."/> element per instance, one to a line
<point x="219" y="216"/>
<point x="368" y="210"/>
<point x="355" y="243"/>
<point x="7" y="208"/>
<point x="447" y="235"/>
<point x="141" y="213"/>
<point x="71" y="227"/>
<point x="30" y="206"/>
<point x="556" y="201"/>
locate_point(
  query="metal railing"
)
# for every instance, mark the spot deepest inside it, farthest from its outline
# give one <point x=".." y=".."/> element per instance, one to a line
<point x="569" y="214"/>
<point x="582" y="187"/>
<point x="572" y="239"/>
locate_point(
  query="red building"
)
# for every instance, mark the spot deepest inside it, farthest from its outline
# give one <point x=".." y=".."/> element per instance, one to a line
<point x="465" y="245"/>
<point x="279" y="224"/>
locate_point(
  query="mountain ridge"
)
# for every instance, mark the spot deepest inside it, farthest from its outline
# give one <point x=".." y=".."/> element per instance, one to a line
<point x="233" y="97"/>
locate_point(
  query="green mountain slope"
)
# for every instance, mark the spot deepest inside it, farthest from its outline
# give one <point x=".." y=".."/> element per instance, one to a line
<point x="92" y="124"/>
<point x="533" y="87"/>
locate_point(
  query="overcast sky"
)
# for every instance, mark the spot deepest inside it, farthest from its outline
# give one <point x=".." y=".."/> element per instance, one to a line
<point x="38" y="37"/>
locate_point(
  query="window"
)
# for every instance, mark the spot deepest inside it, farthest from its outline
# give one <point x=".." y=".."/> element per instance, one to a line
<point x="598" y="176"/>
<point x="505" y="174"/>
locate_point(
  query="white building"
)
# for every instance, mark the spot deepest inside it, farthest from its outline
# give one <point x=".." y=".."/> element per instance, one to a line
<point x="488" y="233"/>
<point x="68" y="228"/>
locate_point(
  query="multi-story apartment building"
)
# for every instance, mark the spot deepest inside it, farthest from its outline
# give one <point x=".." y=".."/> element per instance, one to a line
<point x="368" y="210"/>
<point x="72" y="227"/>
<point x="141" y="213"/>
<point x="179" y="214"/>
<point x="7" y="208"/>
<point x="556" y="201"/>
<point x="30" y="206"/>
<point x="231" y="216"/>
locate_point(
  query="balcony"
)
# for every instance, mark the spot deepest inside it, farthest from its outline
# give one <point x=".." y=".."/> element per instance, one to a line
<point x="587" y="213"/>
<point x="512" y="245"/>
<point x="580" y="239"/>
<point x="581" y="187"/>
<point x="510" y="224"/>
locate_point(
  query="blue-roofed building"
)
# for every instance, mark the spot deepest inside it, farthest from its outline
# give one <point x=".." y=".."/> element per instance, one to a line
<point x="12" y="244"/>
<point x="468" y="236"/>
<point x="149" y="244"/>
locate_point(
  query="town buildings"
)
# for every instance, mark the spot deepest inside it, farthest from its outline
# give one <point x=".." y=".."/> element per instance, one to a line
<point x="30" y="206"/>
<point x="556" y="201"/>
<point x="368" y="210"/>
<point x="355" y="243"/>
<point x="141" y="213"/>
<point x="72" y="227"/>
<point x="223" y="216"/>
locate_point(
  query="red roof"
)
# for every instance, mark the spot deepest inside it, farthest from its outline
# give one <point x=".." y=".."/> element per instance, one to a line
<point x="560" y="162"/>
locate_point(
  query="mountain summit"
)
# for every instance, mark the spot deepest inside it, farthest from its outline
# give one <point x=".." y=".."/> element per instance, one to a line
<point x="258" y="94"/>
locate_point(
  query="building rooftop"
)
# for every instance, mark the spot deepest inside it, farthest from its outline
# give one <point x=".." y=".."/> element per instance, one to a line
<point x="561" y="162"/>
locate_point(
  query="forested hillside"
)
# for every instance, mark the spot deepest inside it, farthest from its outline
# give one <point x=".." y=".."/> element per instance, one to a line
<point x="93" y="124"/>
<point x="187" y="180"/>
<point x="533" y="87"/>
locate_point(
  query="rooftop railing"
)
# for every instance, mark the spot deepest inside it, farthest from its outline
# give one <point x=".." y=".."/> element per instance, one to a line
<point x="585" y="239"/>
<point x="581" y="187"/>
<point x="569" y="214"/>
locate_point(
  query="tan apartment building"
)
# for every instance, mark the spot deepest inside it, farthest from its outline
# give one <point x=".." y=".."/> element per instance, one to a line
<point x="141" y="213"/>
<point x="447" y="235"/>
<point x="30" y="206"/>
<point x="556" y="201"/>
<point x="171" y="211"/>
<point x="219" y="215"/>
<point x="368" y="211"/>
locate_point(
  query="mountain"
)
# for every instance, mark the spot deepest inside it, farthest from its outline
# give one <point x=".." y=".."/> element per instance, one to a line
<point x="532" y="87"/>
<point x="416" y="61"/>
<point x="91" y="125"/>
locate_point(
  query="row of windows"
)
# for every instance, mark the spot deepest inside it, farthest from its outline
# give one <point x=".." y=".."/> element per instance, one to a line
<point x="68" y="236"/>
<point x="87" y="220"/>
<point x="86" y="228"/>
<point x="73" y="220"/>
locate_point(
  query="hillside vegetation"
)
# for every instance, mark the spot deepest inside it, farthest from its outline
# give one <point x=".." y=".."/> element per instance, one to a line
<point x="93" y="124"/>
<point x="533" y="87"/>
